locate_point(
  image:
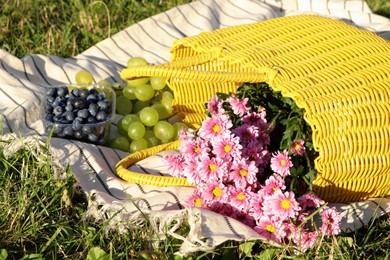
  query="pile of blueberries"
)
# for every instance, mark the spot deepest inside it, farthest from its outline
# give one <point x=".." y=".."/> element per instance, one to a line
<point x="81" y="114"/>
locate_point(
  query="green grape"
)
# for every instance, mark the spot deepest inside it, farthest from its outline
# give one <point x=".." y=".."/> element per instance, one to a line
<point x="144" y="92"/>
<point x="164" y="130"/>
<point x="149" y="116"/>
<point x="84" y="77"/>
<point x="137" y="82"/>
<point x="167" y="99"/>
<point x="105" y="82"/>
<point x="129" y="92"/>
<point x="136" y="130"/>
<point x="151" y="138"/>
<point x="136" y="61"/>
<point x="158" y="83"/>
<point x="123" y="105"/>
<point x="167" y="94"/>
<point x="178" y="126"/>
<point x="120" y="143"/>
<point x="138" y="145"/>
<point x="127" y="120"/>
<point x="139" y="105"/>
<point x="163" y="112"/>
<point x="121" y="129"/>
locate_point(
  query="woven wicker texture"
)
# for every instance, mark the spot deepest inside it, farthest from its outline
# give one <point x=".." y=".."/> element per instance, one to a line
<point x="338" y="73"/>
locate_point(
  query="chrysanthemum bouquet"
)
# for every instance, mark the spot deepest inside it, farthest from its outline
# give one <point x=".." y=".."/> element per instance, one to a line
<point x="252" y="160"/>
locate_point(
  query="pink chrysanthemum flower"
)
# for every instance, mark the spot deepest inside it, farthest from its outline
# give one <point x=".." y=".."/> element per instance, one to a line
<point x="196" y="199"/>
<point x="214" y="126"/>
<point x="257" y="119"/>
<point x="239" y="198"/>
<point x="310" y="200"/>
<point x="239" y="106"/>
<point x="215" y="107"/>
<point x="274" y="183"/>
<point x="214" y="192"/>
<point x="211" y="168"/>
<point x="191" y="173"/>
<point x="283" y="205"/>
<point x="303" y="239"/>
<point x="330" y="221"/>
<point x="271" y="228"/>
<point x="194" y="148"/>
<point x="176" y="163"/>
<point x="281" y="163"/>
<point x="256" y="205"/>
<point x="243" y="173"/>
<point x="297" y="147"/>
<point x="246" y="133"/>
<point x="226" y="146"/>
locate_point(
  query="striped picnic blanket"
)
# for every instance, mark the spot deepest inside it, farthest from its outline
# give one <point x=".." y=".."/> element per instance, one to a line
<point x="22" y="87"/>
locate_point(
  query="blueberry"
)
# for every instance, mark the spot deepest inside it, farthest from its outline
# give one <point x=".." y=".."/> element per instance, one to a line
<point x="93" y="91"/>
<point x="49" y="117"/>
<point x="101" y="116"/>
<point x="70" y="115"/>
<point x="104" y="104"/>
<point x="50" y="99"/>
<point x="62" y="91"/>
<point x="51" y="92"/>
<point x="93" y="137"/>
<point x="83" y="113"/>
<point x="75" y="92"/>
<point x="58" y="129"/>
<point x="48" y="108"/>
<point x="56" y="118"/>
<point x="84" y="93"/>
<point x="58" y="110"/>
<point x="68" y="108"/>
<point x="92" y="98"/>
<point x="102" y="96"/>
<point x="77" y="124"/>
<point x="93" y="109"/>
<point x="68" y="131"/>
<point x="78" y="134"/>
<point x="79" y="103"/>
<point x="87" y="129"/>
<point x="91" y="120"/>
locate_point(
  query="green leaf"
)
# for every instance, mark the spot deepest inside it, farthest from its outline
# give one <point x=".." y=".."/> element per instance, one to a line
<point x="246" y="248"/>
<point x="268" y="254"/>
<point x="33" y="256"/>
<point x="96" y="253"/>
<point x="3" y="254"/>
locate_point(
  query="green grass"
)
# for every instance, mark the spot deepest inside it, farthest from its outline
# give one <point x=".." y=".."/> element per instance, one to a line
<point x="42" y="216"/>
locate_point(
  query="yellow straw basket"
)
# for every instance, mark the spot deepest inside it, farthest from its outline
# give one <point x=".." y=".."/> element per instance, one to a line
<point x="339" y="74"/>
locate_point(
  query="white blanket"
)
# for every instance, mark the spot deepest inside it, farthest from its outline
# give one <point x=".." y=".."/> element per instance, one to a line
<point x="23" y="82"/>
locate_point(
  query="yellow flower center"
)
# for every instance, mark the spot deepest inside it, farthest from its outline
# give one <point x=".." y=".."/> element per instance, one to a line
<point x="282" y="162"/>
<point x="217" y="192"/>
<point x="196" y="149"/>
<point x="198" y="202"/>
<point x="275" y="188"/>
<point x="285" y="204"/>
<point x="216" y="128"/>
<point x="240" y="196"/>
<point x="270" y="228"/>
<point x="243" y="172"/>
<point x="227" y="148"/>
<point x="297" y="147"/>
<point x="212" y="167"/>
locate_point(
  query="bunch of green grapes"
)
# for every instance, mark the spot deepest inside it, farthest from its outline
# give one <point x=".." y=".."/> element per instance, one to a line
<point x="146" y="104"/>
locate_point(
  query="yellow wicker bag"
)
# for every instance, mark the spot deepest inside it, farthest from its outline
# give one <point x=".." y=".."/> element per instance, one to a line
<point x="339" y="74"/>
